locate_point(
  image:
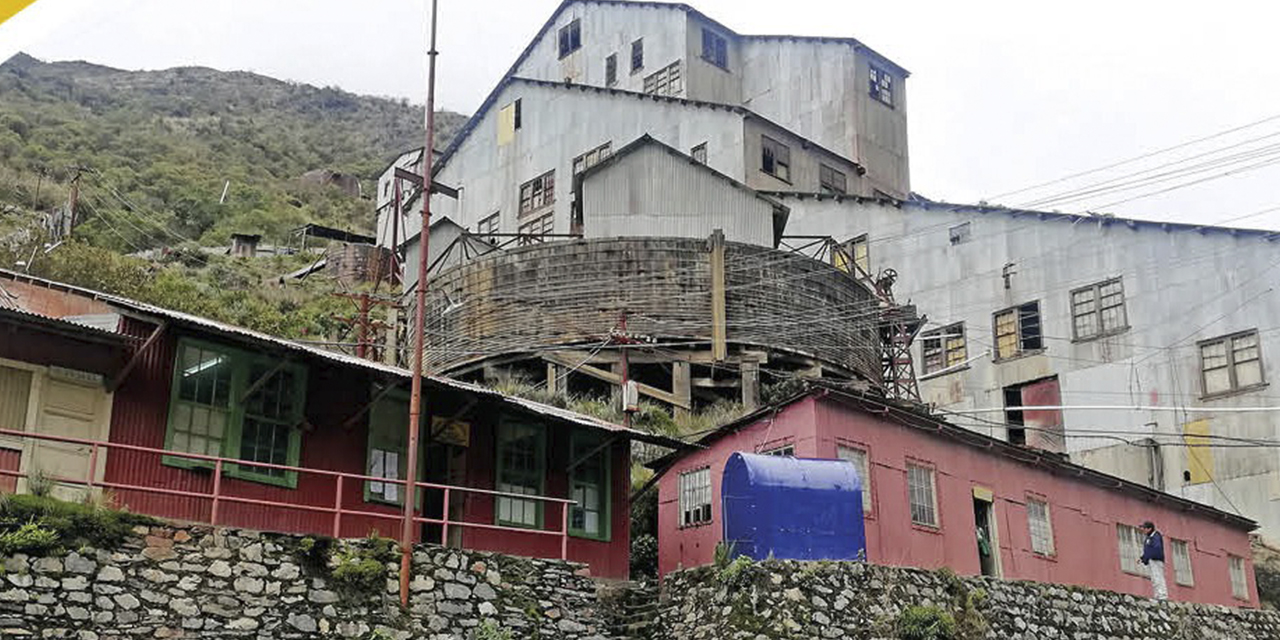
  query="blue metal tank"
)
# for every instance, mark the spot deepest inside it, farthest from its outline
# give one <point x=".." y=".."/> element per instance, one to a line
<point x="792" y="508"/>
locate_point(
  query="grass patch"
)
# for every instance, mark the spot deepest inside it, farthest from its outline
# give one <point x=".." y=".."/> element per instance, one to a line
<point x="361" y="569"/>
<point x="925" y="623"/>
<point x="39" y="524"/>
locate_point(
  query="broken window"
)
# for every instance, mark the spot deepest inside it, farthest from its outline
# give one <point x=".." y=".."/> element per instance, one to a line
<point x="855" y="251"/>
<point x="695" y="497"/>
<point x="536" y="227"/>
<point x="538" y="193"/>
<point x="881" y="85"/>
<point x="611" y="70"/>
<point x="944" y="348"/>
<point x="570" y="38"/>
<point x="637" y="55"/>
<point x="592" y="158"/>
<point x="959" y="233"/>
<point x="715" y="49"/>
<point x="665" y="82"/>
<point x="831" y="180"/>
<point x="699" y="153"/>
<point x="1231" y="363"/>
<point x="516" y="118"/>
<point x="1098" y="310"/>
<point x="1018" y="331"/>
<point x="1037" y="428"/>
<point x="489" y="224"/>
<point x="775" y="158"/>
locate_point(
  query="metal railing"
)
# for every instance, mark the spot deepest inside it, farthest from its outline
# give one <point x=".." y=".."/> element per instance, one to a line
<point x="218" y="497"/>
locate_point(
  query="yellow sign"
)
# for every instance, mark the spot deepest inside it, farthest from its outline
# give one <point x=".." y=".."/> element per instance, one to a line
<point x="10" y="8"/>
<point x="448" y="431"/>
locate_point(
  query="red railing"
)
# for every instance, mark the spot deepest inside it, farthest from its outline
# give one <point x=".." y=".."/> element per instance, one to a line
<point x="218" y="497"/>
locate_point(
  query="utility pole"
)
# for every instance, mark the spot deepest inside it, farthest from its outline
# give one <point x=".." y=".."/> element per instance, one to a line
<point x="75" y="197"/>
<point x="415" y="395"/>
<point x="366" y="327"/>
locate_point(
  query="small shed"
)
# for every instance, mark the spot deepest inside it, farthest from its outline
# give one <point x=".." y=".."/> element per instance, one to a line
<point x="793" y="508"/>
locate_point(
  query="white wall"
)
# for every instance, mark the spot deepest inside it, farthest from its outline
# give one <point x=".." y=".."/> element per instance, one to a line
<point x="1180" y="286"/>
<point x="554" y="132"/>
<point x="652" y="192"/>
<point x="609" y="29"/>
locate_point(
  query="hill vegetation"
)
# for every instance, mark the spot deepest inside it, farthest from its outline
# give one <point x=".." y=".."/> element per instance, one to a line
<point x="158" y="147"/>
<point x="154" y="151"/>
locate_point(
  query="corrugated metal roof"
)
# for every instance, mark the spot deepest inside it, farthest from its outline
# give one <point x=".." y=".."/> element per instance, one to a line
<point x="233" y="331"/>
<point x="924" y="204"/>
<point x="97" y="334"/>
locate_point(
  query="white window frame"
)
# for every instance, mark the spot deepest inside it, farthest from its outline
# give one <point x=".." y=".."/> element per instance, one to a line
<point x="1040" y="526"/>
<point x="538" y="194"/>
<point x="489" y="224"/>
<point x="922" y="493"/>
<point x="1230" y="360"/>
<point x="1239" y="577"/>
<point x="1130" y="541"/>
<point x="860" y="457"/>
<point x="1183" y="573"/>
<point x="592" y="158"/>
<point x="695" y="498"/>
<point x="786" y="450"/>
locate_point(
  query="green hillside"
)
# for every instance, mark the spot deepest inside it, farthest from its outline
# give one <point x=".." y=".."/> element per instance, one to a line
<point x="158" y="147"/>
<point x="154" y="150"/>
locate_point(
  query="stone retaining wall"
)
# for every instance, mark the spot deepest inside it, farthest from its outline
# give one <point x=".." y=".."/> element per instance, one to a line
<point x="197" y="582"/>
<point x="854" y="600"/>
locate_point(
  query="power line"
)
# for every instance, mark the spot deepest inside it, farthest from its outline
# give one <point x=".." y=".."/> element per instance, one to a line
<point x="1138" y="157"/>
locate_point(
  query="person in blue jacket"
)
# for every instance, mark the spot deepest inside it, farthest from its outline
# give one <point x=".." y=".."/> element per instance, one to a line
<point x="1153" y="557"/>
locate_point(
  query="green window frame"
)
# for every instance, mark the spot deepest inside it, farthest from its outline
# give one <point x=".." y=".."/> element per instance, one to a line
<point x="230" y="403"/>
<point x="388" y="437"/>
<point x="590" y="487"/>
<point x="521" y="450"/>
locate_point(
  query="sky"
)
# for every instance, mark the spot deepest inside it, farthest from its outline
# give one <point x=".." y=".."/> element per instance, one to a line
<point x="1003" y="95"/>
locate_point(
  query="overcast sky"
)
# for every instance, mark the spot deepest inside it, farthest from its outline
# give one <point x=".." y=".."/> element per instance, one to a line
<point x="1003" y="95"/>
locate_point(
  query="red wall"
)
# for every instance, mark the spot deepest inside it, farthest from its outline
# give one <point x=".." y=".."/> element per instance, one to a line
<point x="1083" y="515"/>
<point x="695" y="546"/>
<point x="140" y="415"/>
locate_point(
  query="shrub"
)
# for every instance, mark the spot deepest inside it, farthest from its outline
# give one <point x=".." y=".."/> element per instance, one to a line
<point x="490" y="630"/>
<point x="362" y="569"/>
<point x="925" y="623"/>
<point x="75" y="524"/>
<point x="30" y="538"/>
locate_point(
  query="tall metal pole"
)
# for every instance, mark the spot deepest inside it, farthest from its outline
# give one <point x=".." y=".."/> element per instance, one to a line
<point x="626" y="368"/>
<point x="415" y="397"/>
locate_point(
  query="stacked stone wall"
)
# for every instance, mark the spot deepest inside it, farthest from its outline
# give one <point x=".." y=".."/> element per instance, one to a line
<point x="198" y="582"/>
<point x="754" y="601"/>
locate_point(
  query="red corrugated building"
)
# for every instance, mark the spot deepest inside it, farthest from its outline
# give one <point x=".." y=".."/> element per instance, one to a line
<point x="929" y="486"/>
<point x="321" y="430"/>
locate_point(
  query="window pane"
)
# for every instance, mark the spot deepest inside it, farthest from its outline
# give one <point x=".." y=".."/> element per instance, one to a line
<point x="1248" y="373"/>
<point x="1040" y="526"/>
<point x="920" y="485"/>
<point x="859" y="459"/>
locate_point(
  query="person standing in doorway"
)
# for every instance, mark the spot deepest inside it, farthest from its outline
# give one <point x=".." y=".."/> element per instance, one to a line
<point x="1153" y="557"/>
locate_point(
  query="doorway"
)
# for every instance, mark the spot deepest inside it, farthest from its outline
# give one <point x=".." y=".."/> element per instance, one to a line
<point x="985" y="533"/>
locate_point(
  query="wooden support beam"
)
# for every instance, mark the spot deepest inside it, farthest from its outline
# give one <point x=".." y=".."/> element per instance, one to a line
<point x="137" y="355"/>
<point x="556" y="385"/>
<point x="750" y="373"/>
<point x="719" y="348"/>
<point x="681" y="387"/>
<point x="616" y="380"/>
